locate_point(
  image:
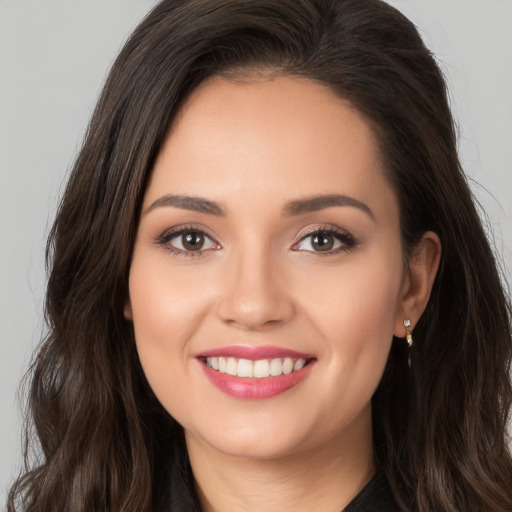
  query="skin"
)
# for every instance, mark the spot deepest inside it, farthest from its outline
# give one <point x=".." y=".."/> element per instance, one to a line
<point x="253" y="147"/>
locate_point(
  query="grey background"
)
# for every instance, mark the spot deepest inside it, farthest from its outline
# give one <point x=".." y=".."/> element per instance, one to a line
<point x="54" y="55"/>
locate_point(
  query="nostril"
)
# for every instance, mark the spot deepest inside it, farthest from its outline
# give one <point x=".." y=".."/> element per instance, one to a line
<point x="255" y="310"/>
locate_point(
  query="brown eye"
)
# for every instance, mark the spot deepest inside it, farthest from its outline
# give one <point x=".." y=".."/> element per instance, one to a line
<point x="188" y="242"/>
<point x="192" y="241"/>
<point x="328" y="241"/>
<point x="322" y="242"/>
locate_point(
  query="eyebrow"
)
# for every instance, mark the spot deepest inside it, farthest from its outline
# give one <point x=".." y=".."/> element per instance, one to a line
<point x="197" y="204"/>
<point x="316" y="203"/>
<point x="293" y="208"/>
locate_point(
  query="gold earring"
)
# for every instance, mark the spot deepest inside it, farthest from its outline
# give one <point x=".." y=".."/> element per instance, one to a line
<point x="408" y="336"/>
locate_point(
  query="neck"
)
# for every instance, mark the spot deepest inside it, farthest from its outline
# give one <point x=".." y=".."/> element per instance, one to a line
<point x="325" y="477"/>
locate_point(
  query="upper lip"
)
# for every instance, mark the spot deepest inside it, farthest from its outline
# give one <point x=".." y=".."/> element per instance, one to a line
<point x="253" y="353"/>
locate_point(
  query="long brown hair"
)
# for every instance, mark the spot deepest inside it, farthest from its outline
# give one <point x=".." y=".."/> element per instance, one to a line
<point x="105" y="443"/>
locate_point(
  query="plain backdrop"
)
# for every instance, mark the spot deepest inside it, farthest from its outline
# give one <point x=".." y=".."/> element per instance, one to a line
<point x="54" y="56"/>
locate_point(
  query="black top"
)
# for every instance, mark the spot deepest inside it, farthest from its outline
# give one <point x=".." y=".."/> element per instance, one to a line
<point x="375" y="496"/>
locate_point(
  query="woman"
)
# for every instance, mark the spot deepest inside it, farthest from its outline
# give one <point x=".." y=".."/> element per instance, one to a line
<point x="270" y="287"/>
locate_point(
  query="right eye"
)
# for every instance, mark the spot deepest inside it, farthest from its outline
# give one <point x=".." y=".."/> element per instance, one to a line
<point x="188" y="242"/>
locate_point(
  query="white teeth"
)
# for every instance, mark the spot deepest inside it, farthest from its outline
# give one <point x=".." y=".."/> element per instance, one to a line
<point x="245" y="368"/>
<point x="276" y="367"/>
<point x="287" y="366"/>
<point x="232" y="366"/>
<point x="259" y="369"/>
<point x="297" y="366"/>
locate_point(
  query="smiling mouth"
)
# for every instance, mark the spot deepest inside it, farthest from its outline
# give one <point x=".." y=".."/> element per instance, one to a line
<point x="258" y="369"/>
<point x="254" y="373"/>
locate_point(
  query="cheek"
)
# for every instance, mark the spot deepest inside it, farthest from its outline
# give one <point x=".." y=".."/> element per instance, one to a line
<point x="167" y="308"/>
<point x="361" y="297"/>
<point x="167" y="303"/>
<point x="355" y="321"/>
<point x="353" y="309"/>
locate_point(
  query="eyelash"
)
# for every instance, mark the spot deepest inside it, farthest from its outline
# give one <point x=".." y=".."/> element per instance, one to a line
<point x="347" y="240"/>
<point x="164" y="240"/>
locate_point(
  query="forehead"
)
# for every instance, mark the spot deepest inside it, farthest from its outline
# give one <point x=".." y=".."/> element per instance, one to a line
<point x="277" y="137"/>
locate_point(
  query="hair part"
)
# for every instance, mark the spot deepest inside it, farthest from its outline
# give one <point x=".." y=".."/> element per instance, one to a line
<point x="439" y="427"/>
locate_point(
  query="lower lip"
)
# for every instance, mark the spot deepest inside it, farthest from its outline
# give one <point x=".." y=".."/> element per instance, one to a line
<point x="255" y="389"/>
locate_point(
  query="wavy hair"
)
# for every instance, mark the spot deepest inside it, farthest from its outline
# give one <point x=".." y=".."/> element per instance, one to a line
<point x="439" y="425"/>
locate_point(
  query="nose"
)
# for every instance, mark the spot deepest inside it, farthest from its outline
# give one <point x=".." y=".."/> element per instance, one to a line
<point x="254" y="292"/>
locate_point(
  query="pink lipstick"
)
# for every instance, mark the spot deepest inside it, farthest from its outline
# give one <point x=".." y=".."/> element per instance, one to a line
<point x="249" y="372"/>
<point x="253" y="353"/>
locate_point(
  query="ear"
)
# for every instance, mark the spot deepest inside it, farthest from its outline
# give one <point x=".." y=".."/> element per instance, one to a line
<point x="127" y="310"/>
<point x="422" y="270"/>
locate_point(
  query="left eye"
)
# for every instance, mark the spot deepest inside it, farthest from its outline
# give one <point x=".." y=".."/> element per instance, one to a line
<point x="324" y="241"/>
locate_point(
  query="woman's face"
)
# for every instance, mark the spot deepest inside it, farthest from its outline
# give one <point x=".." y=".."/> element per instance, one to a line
<point x="267" y="272"/>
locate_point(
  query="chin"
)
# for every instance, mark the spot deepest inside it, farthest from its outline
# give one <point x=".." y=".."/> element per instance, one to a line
<point x="251" y="443"/>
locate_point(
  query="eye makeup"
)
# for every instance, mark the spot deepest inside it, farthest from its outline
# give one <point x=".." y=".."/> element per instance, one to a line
<point x="326" y="240"/>
<point x="190" y="241"/>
